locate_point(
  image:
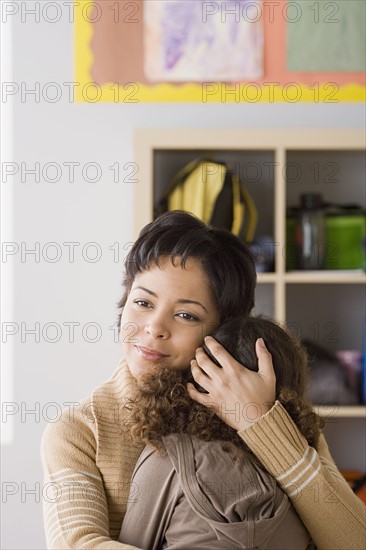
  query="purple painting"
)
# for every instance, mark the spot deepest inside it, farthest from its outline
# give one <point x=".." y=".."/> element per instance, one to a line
<point x="195" y="40"/>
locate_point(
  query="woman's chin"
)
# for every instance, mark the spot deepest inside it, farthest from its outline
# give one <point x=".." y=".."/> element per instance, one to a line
<point x="139" y="366"/>
<point x="140" y="372"/>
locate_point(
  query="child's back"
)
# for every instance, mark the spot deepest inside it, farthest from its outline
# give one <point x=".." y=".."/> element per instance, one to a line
<point x="198" y="496"/>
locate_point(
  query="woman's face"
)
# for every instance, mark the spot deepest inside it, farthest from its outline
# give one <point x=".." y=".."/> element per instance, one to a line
<point x="169" y="310"/>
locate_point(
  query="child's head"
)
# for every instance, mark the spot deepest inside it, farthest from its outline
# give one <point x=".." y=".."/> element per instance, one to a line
<point x="225" y="259"/>
<point x="239" y="335"/>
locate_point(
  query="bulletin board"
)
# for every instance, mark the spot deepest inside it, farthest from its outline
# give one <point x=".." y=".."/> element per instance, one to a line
<point x="311" y="52"/>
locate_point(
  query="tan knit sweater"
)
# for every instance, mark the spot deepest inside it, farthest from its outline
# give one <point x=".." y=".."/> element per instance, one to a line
<point x="88" y="464"/>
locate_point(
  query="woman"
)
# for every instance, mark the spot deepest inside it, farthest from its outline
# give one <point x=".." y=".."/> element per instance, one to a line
<point x="182" y="279"/>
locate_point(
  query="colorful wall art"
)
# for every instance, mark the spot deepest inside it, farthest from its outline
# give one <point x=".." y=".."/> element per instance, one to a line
<point x="228" y="51"/>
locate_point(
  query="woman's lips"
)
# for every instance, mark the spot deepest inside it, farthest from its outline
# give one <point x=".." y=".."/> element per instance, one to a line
<point x="150" y="354"/>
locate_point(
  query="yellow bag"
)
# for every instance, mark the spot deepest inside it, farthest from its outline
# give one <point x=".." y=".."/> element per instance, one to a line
<point x="214" y="194"/>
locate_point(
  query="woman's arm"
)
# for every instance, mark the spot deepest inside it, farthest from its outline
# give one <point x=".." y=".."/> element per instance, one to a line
<point x="334" y="516"/>
<point x="74" y="500"/>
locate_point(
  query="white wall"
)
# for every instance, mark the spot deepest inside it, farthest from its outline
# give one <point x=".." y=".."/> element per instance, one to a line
<point x="82" y="212"/>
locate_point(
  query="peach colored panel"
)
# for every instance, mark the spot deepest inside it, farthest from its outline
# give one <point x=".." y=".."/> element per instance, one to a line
<point x="117" y="43"/>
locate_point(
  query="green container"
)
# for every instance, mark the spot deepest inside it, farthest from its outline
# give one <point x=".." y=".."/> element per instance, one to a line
<point x="345" y="239"/>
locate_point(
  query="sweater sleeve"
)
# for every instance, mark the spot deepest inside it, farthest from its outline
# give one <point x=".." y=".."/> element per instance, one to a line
<point x="74" y="501"/>
<point x="334" y="516"/>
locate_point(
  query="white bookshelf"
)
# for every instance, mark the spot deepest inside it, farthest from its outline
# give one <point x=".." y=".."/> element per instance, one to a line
<point x="159" y="153"/>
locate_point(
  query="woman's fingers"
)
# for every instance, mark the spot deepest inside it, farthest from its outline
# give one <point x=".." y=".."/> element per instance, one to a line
<point x="219" y="353"/>
<point x="202" y="398"/>
<point x="233" y="388"/>
<point x="199" y="374"/>
<point x="265" y="365"/>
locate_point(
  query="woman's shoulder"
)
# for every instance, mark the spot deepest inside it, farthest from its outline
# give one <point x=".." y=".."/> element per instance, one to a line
<point x="83" y="419"/>
<point x="118" y="387"/>
<point x="74" y="429"/>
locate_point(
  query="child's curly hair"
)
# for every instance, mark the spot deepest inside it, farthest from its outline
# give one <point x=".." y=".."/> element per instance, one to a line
<point x="163" y="406"/>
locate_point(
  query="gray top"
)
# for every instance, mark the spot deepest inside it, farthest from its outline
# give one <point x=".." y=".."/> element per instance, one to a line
<point x="197" y="496"/>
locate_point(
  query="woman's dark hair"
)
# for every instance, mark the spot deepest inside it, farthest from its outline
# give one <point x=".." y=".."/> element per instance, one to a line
<point x="166" y="407"/>
<point x="226" y="259"/>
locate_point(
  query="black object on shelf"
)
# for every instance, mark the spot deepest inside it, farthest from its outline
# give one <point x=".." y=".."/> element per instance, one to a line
<point x="310" y="232"/>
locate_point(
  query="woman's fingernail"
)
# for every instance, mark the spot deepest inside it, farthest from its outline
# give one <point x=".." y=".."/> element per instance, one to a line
<point x="261" y="343"/>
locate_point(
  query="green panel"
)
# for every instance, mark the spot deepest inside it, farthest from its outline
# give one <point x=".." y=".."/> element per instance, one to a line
<point x="326" y="36"/>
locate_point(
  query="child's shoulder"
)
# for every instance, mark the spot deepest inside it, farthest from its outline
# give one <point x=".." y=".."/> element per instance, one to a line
<point x="222" y="458"/>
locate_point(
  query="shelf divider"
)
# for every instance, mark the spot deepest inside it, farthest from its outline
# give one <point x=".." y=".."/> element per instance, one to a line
<point x="280" y="234"/>
<point x="326" y="277"/>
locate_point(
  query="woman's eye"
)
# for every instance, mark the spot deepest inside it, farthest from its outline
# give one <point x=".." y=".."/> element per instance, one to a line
<point x="142" y="303"/>
<point x="188" y="316"/>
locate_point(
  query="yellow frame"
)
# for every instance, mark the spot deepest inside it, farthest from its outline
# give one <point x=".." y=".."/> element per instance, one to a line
<point x="89" y="92"/>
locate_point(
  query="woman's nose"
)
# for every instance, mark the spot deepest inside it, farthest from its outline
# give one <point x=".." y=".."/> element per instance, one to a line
<point x="157" y="328"/>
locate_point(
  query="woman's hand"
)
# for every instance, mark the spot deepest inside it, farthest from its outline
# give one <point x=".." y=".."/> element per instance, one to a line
<point x="238" y="395"/>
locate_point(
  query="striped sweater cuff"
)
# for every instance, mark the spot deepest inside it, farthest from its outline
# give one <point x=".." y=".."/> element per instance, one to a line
<point x="282" y="449"/>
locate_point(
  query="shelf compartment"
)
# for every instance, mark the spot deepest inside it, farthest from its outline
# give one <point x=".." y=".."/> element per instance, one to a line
<point x="264" y="300"/>
<point x="331" y="315"/>
<point x="255" y="169"/>
<point x="346" y="437"/>
<point x="336" y="175"/>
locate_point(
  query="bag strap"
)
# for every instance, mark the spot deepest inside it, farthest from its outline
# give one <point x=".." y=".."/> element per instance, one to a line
<point x="187" y="476"/>
<point x="252" y="214"/>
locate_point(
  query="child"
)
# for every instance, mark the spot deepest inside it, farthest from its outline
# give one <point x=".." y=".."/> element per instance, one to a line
<point x="208" y="490"/>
